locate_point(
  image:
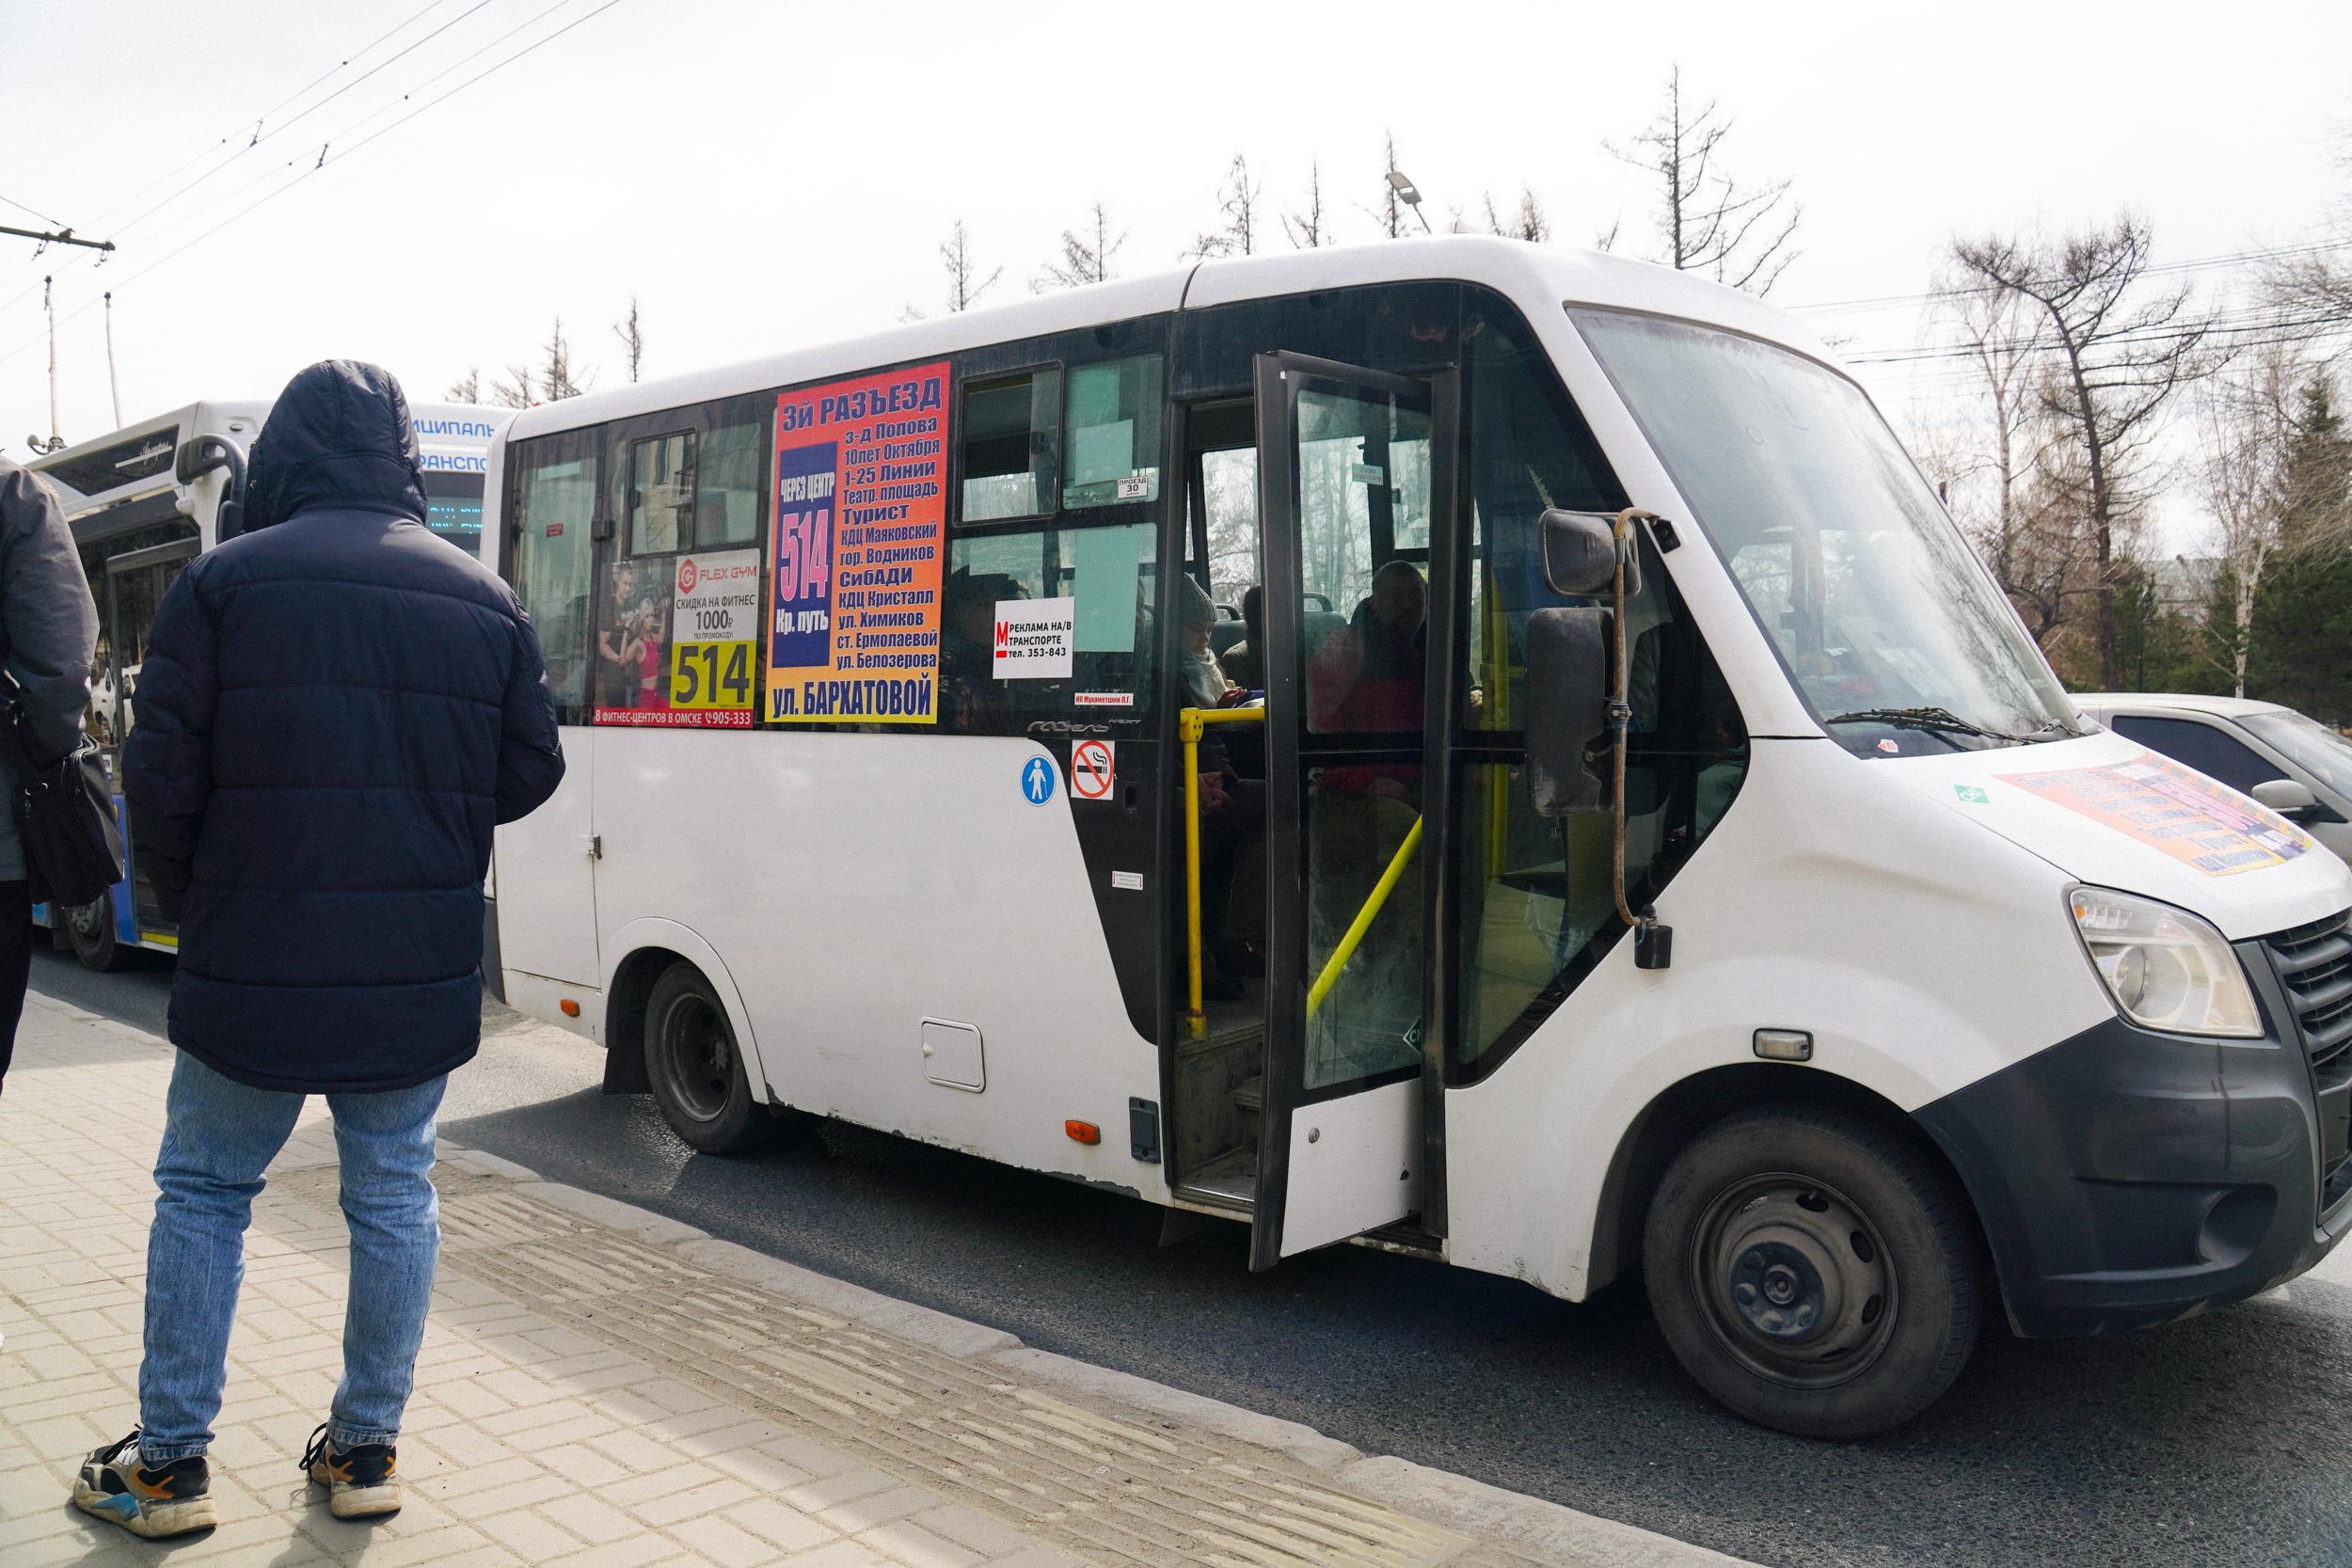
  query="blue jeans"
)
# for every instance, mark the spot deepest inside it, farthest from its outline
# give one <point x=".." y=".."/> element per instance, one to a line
<point x="218" y="1137"/>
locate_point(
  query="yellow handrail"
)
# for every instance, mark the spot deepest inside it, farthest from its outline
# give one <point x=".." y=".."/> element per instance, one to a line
<point x="1364" y="917"/>
<point x="1191" y="725"/>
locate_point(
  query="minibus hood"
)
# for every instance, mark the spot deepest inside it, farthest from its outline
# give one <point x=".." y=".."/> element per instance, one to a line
<point x="2107" y="810"/>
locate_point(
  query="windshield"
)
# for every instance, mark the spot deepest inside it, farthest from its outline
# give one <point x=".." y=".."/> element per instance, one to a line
<point x="1895" y="636"/>
<point x="2309" y="744"/>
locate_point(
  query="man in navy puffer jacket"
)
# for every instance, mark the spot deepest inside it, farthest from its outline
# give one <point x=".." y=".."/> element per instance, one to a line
<point x="335" y="710"/>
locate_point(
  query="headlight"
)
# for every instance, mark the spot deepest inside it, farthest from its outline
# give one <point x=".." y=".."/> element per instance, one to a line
<point x="2166" y="968"/>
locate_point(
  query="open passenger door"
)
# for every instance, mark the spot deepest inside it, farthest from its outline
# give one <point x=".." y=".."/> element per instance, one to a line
<point x="1355" y="482"/>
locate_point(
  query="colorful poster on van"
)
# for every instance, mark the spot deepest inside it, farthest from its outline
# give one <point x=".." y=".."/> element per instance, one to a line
<point x="2172" y="808"/>
<point x="858" y="548"/>
<point x="676" y="644"/>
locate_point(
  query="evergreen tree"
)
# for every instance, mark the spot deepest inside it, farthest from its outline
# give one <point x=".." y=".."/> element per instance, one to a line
<point x="2303" y="616"/>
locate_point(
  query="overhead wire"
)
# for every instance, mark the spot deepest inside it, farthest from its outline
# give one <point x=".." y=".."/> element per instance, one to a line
<point x="325" y="162"/>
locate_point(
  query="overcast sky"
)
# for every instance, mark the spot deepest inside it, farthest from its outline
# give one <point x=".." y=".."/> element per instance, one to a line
<point x="765" y="173"/>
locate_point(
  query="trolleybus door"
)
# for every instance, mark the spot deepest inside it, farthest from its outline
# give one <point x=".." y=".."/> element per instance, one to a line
<point x="1354" y="472"/>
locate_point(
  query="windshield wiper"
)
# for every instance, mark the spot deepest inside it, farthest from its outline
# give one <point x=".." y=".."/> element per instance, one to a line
<point x="1940" y="720"/>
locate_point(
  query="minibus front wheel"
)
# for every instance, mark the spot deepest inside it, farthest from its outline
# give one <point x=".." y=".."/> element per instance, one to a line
<point x="1814" y="1269"/>
<point x="694" y="1065"/>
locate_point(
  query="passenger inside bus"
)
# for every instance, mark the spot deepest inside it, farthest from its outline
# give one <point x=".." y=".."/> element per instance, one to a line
<point x="1368" y="676"/>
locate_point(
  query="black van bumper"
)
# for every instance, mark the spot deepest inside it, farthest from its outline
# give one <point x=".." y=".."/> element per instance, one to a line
<point x="2127" y="1177"/>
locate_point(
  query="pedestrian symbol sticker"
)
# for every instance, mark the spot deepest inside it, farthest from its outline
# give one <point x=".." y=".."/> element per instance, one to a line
<point x="1036" y="780"/>
<point x="1093" y="769"/>
<point x="1971" y="794"/>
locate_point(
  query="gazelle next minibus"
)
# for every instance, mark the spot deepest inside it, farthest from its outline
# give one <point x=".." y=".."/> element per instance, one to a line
<point x="1641" y="838"/>
<point x="144" y="501"/>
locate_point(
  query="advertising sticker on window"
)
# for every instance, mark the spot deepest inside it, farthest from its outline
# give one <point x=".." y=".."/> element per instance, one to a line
<point x="859" y="543"/>
<point x="684" y="658"/>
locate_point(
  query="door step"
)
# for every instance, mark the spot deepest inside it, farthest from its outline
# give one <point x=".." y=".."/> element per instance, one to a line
<point x="1248" y="1108"/>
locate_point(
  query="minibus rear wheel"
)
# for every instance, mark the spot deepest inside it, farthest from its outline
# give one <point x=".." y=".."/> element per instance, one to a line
<point x="696" y="1069"/>
<point x="1814" y="1269"/>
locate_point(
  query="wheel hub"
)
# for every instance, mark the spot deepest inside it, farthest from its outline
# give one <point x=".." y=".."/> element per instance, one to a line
<point x="1795" y="1279"/>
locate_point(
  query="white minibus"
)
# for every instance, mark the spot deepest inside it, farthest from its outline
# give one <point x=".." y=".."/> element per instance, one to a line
<point x="145" y="500"/>
<point x="1597" y="818"/>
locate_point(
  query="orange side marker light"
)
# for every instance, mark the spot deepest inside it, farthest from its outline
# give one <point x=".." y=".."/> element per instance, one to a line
<point x="570" y="1007"/>
<point x="1083" y="1131"/>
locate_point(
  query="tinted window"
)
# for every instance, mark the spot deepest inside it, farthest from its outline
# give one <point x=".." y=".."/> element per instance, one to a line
<point x="1105" y="573"/>
<point x="1111" y="438"/>
<point x="2201" y="746"/>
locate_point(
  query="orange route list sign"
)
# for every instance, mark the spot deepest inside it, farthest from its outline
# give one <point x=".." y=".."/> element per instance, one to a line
<point x="860" y="541"/>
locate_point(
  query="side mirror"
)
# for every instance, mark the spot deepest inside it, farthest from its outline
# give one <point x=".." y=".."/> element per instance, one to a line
<point x="1581" y="553"/>
<point x="1567" y="705"/>
<point x="203" y="455"/>
<point x="2286" y="797"/>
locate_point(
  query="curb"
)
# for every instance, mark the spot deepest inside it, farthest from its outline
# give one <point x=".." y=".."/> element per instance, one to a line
<point x="1438" y="1496"/>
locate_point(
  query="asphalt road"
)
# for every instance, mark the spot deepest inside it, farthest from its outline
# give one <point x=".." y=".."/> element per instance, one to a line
<point x="2224" y="1439"/>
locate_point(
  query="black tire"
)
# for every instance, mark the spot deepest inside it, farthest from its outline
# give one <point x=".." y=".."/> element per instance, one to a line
<point x="91" y="931"/>
<point x="1814" y="1269"/>
<point x="696" y="1069"/>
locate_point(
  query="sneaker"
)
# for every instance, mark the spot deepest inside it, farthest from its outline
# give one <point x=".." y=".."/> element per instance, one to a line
<point x="360" y="1481"/>
<point x="169" y="1499"/>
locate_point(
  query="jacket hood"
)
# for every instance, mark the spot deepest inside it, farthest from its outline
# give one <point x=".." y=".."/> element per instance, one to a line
<point x="339" y="434"/>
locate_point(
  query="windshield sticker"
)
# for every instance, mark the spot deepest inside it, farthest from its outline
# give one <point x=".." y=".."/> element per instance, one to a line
<point x="861" y="471"/>
<point x="2167" y="807"/>
<point x="1971" y="794"/>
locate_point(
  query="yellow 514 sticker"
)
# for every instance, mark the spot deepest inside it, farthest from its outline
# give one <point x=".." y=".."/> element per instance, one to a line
<point x="710" y="674"/>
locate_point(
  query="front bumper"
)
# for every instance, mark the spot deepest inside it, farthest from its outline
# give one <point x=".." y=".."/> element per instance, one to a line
<point x="2127" y="1177"/>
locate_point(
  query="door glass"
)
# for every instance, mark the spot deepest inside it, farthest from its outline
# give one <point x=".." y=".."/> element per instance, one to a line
<point x="1363" y="485"/>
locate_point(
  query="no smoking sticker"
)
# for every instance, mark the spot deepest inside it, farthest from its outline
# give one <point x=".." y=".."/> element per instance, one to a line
<point x="1093" y="770"/>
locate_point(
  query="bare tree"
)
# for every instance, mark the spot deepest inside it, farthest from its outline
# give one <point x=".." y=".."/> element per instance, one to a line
<point x="1085" y="253"/>
<point x="2117" y="353"/>
<point x="965" y="283"/>
<point x="467" y="387"/>
<point x="1390" y="211"/>
<point x="1306" y="227"/>
<point x="2005" y="342"/>
<point x="558" y="380"/>
<point x="518" y="388"/>
<point x="2248" y="431"/>
<point x="1708" y="221"/>
<point x="2311" y="286"/>
<point x="1527" y="221"/>
<point x="1238" y="207"/>
<point x="632" y="335"/>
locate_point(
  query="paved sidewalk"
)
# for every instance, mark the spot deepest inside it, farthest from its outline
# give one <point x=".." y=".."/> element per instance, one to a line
<point x="600" y="1385"/>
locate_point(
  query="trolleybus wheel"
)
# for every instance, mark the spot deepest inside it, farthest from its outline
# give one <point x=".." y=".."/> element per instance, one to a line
<point x="696" y="1072"/>
<point x="1814" y="1270"/>
<point x="91" y="928"/>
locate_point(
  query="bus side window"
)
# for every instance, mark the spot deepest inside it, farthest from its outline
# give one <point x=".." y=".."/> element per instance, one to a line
<point x="661" y="494"/>
<point x="1007" y="445"/>
<point x="554" y="515"/>
<point x="1111" y="433"/>
<point x="1106" y="571"/>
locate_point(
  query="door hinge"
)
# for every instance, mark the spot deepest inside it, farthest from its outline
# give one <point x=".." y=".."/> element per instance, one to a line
<point x="594" y="845"/>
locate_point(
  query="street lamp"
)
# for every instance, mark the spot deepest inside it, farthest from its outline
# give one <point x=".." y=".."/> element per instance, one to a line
<point x="1409" y="195"/>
